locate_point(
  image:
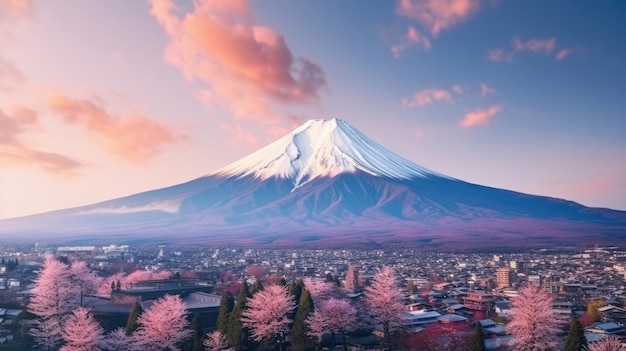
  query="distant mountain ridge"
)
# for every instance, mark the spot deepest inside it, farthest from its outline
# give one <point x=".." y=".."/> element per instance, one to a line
<point x="328" y="185"/>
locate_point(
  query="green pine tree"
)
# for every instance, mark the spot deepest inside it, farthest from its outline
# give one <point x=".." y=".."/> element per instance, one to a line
<point x="131" y="323"/>
<point x="194" y="343"/>
<point x="227" y="303"/>
<point x="295" y="290"/>
<point x="257" y="286"/>
<point x="576" y="340"/>
<point x="238" y="336"/>
<point x="300" y="339"/>
<point x="478" y="340"/>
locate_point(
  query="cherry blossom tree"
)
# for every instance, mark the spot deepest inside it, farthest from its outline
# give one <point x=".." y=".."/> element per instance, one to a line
<point x="215" y="341"/>
<point x="163" y="326"/>
<point x="104" y="288"/>
<point x="608" y="343"/>
<point x="84" y="279"/>
<point x="335" y="316"/>
<point x="319" y="290"/>
<point x="533" y="326"/>
<point x="117" y="340"/>
<point x="267" y="313"/>
<point x="82" y="332"/>
<point x="384" y="300"/>
<point x="54" y="298"/>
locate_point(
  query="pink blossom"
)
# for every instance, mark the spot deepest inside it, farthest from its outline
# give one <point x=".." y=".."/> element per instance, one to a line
<point x="164" y="325"/>
<point x="267" y="313"/>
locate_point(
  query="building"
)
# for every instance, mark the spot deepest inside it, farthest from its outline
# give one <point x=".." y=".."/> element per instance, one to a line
<point x="479" y="301"/>
<point x="504" y="276"/>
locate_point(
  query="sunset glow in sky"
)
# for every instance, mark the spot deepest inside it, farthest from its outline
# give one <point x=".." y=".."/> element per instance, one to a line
<point x="102" y="99"/>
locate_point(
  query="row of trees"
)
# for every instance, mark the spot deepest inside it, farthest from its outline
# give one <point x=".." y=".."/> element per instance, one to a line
<point x="11" y="264"/>
<point x="304" y="312"/>
<point x="263" y="315"/>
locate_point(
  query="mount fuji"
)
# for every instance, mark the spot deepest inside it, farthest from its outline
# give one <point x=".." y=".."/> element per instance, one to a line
<point x="328" y="185"/>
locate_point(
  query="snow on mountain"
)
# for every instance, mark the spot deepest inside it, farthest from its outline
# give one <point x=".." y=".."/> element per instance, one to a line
<point x="324" y="148"/>
<point x="327" y="185"/>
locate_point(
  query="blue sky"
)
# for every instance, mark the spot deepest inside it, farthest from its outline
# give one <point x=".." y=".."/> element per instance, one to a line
<point x="105" y="99"/>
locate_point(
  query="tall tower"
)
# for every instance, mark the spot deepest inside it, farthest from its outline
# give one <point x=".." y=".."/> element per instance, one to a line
<point x="161" y="248"/>
<point x="503" y="277"/>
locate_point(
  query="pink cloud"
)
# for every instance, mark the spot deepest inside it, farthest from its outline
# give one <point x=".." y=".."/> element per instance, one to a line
<point x="246" y="67"/>
<point x="10" y="75"/>
<point x="129" y="136"/>
<point x="486" y="90"/>
<point x="458" y="89"/>
<point x="535" y="45"/>
<point x="479" y="117"/>
<point x="13" y="151"/>
<point x="539" y="46"/>
<point x="427" y="97"/>
<point x="239" y="136"/>
<point x="499" y="55"/>
<point x="437" y="15"/>
<point x="563" y="53"/>
<point x="410" y="38"/>
<point x="12" y="11"/>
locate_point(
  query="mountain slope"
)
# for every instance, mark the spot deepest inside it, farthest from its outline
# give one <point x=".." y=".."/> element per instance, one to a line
<point x="327" y="184"/>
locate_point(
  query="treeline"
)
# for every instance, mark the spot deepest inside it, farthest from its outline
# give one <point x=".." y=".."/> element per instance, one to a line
<point x="11" y="264"/>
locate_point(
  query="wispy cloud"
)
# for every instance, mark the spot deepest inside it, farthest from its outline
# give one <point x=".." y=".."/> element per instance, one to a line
<point x="12" y="11"/>
<point x="172" y="207"/>
<point x="427" y="97"/>
<point x="239" y="135"/>
<point x="437" y="15"/>
<point x="410" y="38"/>
<point x="563" y="53"/>
<point x="499" y="55"/>
<point x="486" y="89"/>
<point x="129" y="136"/>
<point x="14" y="152"/>
<point x="246" y="67"/>
<point x="479" y="117"/>
<point x="457" y="88"/>
<point x="10" y="75"/>
<point x="538" y="46"/>
<point x="535" y="45"/>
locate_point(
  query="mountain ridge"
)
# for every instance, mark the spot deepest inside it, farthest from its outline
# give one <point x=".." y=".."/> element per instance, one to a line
<point x="326" y="184"/>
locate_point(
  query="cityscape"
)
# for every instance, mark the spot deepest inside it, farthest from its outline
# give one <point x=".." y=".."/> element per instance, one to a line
<point x="443" y="294"/>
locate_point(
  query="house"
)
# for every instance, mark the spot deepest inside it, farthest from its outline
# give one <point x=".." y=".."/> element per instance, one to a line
<point x="607" y="328"/>
<point x="479" y="301"/>
<point x="503" y="308"/>
<point x="419" y="319"/>
<point x="613" y="313"/>
<point x="452" y="318"/>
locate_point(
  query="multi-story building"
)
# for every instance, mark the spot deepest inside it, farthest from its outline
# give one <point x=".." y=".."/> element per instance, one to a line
<point x="504" y="276"/>
<point x="479" y="301"/>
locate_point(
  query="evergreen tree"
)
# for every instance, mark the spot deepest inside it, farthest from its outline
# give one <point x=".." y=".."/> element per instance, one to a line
<point x="283" y="281"/>
<point x="295" y="290"/>
<point x="131" y="323"/>
<point x="576" y="340"/>
<point x="195" y="343"/>
<point x="227" y="304"/>
<point x="257" y="286"/>
<point x="238" y="336"/>
<point x="478" y="340"/>
<point x="300" y="338"/>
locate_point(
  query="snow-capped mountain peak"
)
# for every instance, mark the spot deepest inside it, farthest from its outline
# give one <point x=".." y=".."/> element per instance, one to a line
<point x="323" y="148"/>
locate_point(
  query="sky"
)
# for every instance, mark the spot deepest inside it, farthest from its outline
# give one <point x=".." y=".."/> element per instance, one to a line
<point x="102" y="99"/>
